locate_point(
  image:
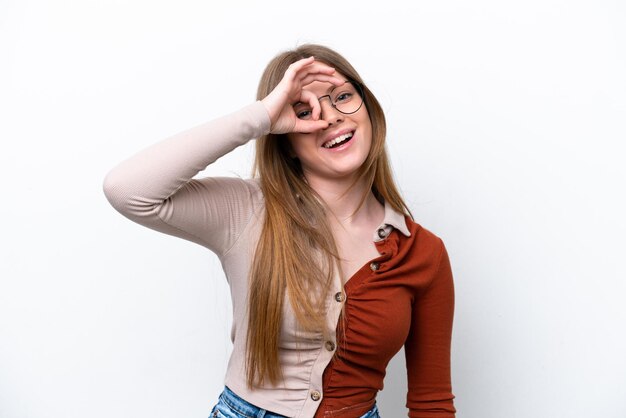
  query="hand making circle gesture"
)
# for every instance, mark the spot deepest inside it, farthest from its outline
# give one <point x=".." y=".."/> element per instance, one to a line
<point x="289" y="91"/>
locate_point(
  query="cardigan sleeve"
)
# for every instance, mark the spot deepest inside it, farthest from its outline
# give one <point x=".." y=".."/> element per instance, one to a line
<point x="155" y="187"/>
<point x="427" y="348"/>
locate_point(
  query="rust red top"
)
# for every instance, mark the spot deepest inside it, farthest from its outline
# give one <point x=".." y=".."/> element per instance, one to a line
<point x="405" y="297"/>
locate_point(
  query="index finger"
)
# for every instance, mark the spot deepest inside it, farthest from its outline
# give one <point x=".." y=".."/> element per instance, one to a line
<point x="297" y="66"/>
<point x="322" y="77"/>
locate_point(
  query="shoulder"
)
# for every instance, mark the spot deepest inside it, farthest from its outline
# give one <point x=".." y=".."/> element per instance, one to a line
<point x="427" y="255"/>
<point x="424" y="246"/>
<point x="423" y="237"/>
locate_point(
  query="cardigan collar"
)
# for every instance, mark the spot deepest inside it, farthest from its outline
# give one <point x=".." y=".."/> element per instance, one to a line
<point x="392" y="219"/>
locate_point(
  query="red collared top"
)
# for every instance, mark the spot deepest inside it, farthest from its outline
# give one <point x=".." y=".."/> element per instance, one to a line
<point x="405" y="297"/>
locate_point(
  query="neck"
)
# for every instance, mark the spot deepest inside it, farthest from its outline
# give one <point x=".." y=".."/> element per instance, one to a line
<point x="344" y="202"/>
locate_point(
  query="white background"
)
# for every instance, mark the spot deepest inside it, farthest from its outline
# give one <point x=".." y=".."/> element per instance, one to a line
<point x="506" y="129"/>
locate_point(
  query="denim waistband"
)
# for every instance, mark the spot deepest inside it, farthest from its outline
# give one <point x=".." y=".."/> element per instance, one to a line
<point x="230" y="405"/>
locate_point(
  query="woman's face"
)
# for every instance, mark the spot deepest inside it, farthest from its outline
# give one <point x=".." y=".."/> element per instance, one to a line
<point x="337" y="152"/>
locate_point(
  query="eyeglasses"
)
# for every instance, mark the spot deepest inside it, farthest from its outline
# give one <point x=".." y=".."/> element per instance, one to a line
<point x="347" y="99"/>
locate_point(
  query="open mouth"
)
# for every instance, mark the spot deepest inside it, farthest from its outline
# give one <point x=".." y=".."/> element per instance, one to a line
<point x="340" y="140"/>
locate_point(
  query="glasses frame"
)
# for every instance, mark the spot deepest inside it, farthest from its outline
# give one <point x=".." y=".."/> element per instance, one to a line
<point x="359" y="91"/>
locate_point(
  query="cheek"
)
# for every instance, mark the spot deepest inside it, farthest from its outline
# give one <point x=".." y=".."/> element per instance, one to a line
<point x="367" y="135"/>
<point x="366" y="121"/>
<point x="299" y="146"/>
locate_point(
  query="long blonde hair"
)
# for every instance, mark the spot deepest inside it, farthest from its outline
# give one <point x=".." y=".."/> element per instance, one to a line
<point x="295" y="229"/>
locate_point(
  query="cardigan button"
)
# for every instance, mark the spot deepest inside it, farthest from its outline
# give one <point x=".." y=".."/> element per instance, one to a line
<point x="382" y="233"/>
<point x="316" y="396"/>
<point x="340" y="297"/>
<point x="374" y="266"/>
<point x="330" y="346"/>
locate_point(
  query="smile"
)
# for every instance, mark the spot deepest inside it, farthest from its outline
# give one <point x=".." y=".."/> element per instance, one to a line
<point x="341" y="139"/>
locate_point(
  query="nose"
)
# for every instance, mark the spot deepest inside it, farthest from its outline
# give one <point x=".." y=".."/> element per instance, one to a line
<point x="329" y="113"/>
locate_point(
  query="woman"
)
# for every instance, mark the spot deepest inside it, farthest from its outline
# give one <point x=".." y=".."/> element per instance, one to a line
<point x="329" y="275"/>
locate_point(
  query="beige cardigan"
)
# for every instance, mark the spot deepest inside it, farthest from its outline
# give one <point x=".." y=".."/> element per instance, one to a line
<point x="155" y="188"/>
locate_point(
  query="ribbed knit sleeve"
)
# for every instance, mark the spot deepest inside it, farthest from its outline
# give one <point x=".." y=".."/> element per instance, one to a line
<point x="427" y="347"/>
<point x="155" y="187"/>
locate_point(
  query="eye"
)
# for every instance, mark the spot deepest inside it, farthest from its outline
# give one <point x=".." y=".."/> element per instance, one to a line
<point x="303" y="112"/>
<point x="344" y="96"/>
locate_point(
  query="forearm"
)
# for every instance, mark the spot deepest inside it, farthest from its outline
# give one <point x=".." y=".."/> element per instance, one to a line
<point x="155" y="187"/>
<point x="145" y="180"/>
<point x="428" y="347"/>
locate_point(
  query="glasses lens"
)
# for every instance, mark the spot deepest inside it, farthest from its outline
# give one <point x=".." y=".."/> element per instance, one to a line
<point x="347" y="98"/>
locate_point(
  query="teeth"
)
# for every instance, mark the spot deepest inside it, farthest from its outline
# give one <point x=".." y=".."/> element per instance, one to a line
<point x="337" y="140"/>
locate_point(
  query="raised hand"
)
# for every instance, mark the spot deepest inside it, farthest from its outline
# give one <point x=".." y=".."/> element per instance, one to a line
<point x="279" y="103"/>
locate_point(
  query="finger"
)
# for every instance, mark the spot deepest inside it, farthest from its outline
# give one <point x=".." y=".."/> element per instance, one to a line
<point x="303" y="68"/>
<point x="321" y="67"/>
<point x="322" y="77"/>
<point x="315" y="68"/>
<point x="294" y="68"/>
<point x="310" y="98"/>
<point x="308" y="126"/>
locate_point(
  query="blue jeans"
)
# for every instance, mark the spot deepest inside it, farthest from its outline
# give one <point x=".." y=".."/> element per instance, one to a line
<point x="229" y="405"/>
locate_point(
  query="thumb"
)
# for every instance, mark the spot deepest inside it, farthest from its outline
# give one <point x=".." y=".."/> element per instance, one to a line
<point x="308" y="126"/>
